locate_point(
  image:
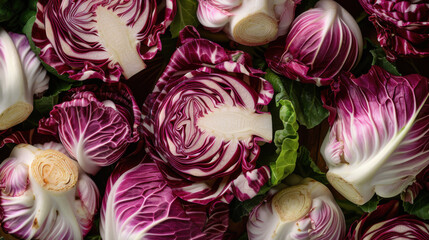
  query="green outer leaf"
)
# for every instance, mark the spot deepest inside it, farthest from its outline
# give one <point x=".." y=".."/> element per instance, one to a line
<point x="277" y="83"/>
<point x="287" y="144"/>
<point x="45" y="104"/>
<point x="379" y="59"/>
<point x="244" y="236"/>
<point x="420" y="208"/>
<point x="350" y="210"/>
<point x="371" y="205"/>
<point x="305" y="98"/>
<point x="306" y="167"/>
<point x="9" y="8"/>
<point x="186" y="15"/>
<point x="237" y="209"/>
<point x="373" y="54"/>
<point x="93" y="237"/>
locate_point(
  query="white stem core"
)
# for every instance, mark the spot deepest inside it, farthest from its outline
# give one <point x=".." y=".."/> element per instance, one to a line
<point x="54" y="171"/>
<point x="119" y="41"/>
<point x="232" y="123"/>
<point x="348" y="190"/>
<point x="257" y="29"/>
<point x="16" y="102"/>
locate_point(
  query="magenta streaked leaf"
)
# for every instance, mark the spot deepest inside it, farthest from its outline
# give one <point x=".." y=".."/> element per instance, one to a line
<point x="138" y="204"/>
<point x="387" y="223"/>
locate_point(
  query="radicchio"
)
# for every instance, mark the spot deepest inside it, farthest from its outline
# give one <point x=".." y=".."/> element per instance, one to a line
<point x="322" y="42"/>
<point x="100" y="38"/>
<point x="203" y="122"/>
<point x="379" y="136"/>
<point x="138" y="204"/>
<point x="44" y="194"/>
<point x="95" y="124"/>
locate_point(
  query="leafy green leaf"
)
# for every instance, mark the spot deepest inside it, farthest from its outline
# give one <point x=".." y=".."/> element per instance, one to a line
<point x="186" y="15"/>
<point x="45" y="104"/>
<point x="286" y="141"/>
<point x="420" y="207"/>
<point x="93" y="237"/>
<point x="365" y="61"/>
<point x="238" y="209"/>
<point x="244" y="236"/>
<point x="277" y="83"/>
<point x="257" y="53"/>
<point x="379" y="59"/>
<point x="350" y="210"/>
<point x="371" y="205"/>
<point x="304" y="97"/>
<point x="373" y="54"/>
<point x="306" y="167"/>
<point x="9" y="9"/>
<point x="281" y="155"/>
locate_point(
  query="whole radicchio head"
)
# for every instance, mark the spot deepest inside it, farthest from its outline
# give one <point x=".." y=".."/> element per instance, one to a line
<point x="95" y="123"/>
<point x="322" y="42"/>
<point x="138" y="204"/>
<point x="379" y="136"/>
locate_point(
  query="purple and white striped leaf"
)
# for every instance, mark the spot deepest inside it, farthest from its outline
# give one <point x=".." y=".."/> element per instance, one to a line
<point x="138" y="204"/>
<point x="387" y="223"/>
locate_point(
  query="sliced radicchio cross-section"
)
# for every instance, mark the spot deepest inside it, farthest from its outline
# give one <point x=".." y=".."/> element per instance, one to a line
<point x="100" y="38"/>
<point x="204" y="120"/>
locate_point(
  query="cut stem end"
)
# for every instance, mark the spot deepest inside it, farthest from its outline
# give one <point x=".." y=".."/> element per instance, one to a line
<point x="346" y="189"/>
<point x="292" y="203"/>
<point x="15" y="114"/>
<point x="54" y="171"/>
<point x="256" y="29"/>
